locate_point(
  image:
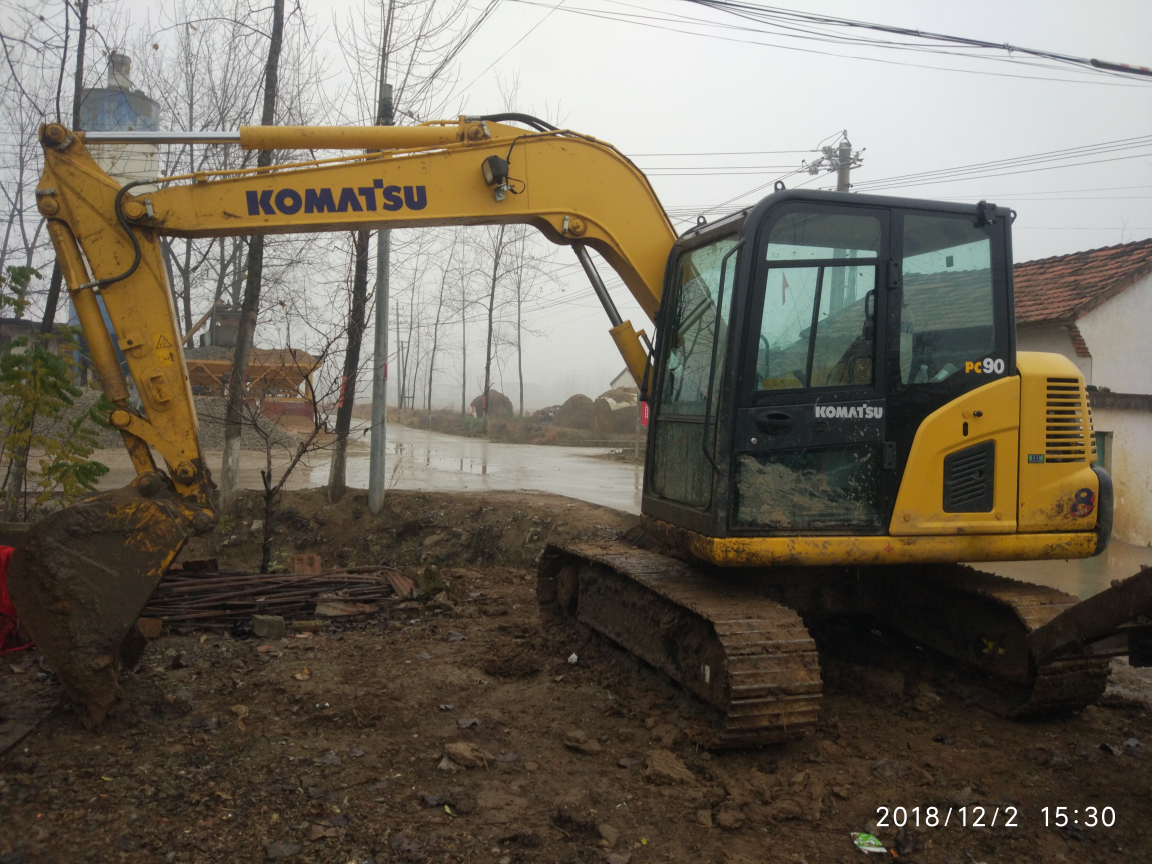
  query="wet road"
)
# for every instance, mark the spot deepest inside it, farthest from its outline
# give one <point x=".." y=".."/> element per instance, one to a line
<point x="419" y="459"/>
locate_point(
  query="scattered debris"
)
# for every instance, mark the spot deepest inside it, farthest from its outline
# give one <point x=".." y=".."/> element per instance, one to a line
<point x="448" y="765"/>
<point x="868" y="843"/>
<point x="467" y="754"/>
<point x="664" y="766"/>
<point x="269" y="626"/>
<point x="303" y="675"/>
<point x="149" y="628"/>
<point x="230" y="596"/>
<point x="399" y="843"/>
<point x="573" y="659"/>
<point x="608" y="835"/>
<point x="581" y="742"/>
<point x="283" y="849"/>
<point x="340" y="608"/>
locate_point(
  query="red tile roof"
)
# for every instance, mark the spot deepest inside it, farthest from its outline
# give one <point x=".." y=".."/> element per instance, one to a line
<point x="1068" y="286"/>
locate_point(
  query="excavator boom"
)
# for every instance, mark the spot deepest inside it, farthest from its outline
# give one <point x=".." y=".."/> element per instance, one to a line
<point x="576" y="190"/>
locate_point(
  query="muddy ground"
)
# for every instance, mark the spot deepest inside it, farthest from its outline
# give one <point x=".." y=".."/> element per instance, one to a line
<point x="332" y="748"/>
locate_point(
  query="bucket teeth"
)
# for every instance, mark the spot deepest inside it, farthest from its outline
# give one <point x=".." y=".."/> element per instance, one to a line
<point x="80" y="578"/>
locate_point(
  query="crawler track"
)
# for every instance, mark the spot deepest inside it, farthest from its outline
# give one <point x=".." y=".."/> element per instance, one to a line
<point x="751" y="661"/>
<point x="983" y="621"/>
<point x="748" y="658"/>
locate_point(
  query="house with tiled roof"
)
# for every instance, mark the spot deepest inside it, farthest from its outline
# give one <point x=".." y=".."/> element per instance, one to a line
<point x="1095" y="308"/>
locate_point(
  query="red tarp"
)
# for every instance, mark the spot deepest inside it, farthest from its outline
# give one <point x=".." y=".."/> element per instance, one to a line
<point x="9" y="629"/>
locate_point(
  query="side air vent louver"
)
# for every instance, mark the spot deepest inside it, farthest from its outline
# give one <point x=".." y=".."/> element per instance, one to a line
<point x="969" y="479"/>
<point x="1068" y="422"/>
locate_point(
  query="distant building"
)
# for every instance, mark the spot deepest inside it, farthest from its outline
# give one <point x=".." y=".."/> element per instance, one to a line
<point x="623" y="381"/>
<point x="1095" y="308"/>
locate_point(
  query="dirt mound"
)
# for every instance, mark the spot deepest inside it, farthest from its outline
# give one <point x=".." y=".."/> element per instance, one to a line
<point x="499" y="405"/>
<point x="615" y="411"/>
<point x="545" y="415"/>
<point x="576" y="413"/>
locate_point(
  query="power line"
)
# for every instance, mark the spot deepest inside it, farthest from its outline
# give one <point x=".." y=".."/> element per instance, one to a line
<point x="776" y="15"/>
<point x="695" y="24"/>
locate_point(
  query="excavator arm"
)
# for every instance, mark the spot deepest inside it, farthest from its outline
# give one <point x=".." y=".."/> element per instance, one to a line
<point x="81" y="577"/>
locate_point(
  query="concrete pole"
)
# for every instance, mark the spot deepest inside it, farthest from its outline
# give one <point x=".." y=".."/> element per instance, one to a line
<point x="378" y="434"/>
<point x="844" y="165"/>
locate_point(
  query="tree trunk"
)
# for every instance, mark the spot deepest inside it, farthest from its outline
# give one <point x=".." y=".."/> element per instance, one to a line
<point x="186" y="278"/>
<point x="496" y="252"/>
<point x="53" y="298"/>
<point x="337" y="470"/>
<point x="250" y="307"/>
<point x="463" y="351"/>
<point x="519" y="356"/>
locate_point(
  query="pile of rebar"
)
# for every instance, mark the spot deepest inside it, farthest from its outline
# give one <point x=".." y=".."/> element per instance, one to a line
<point x="231" y="595"/>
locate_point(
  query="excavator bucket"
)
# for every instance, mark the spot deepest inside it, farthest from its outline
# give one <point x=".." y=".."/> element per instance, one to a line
<point x="80" y="578"/>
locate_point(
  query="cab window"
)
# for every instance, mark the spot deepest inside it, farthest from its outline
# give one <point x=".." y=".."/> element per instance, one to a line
<point x="817" y="318"/>
<point x="947" y="314"/>
<point x="698" y="295"/>
<point x="680" y="470"/>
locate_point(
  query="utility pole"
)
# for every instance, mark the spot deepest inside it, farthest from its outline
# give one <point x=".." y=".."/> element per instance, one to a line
<point x="842" y="160"/>
<point x="844" y="164"/>
<point x="378" y="434"/>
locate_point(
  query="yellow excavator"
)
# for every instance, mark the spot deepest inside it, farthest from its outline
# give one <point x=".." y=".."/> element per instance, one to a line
<point x="839" y="416"/>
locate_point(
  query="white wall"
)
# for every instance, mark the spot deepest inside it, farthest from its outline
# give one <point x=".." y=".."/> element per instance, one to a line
<point x="1131" y="469"/>
<point x="1117" y="335"/>
<point x="1053" y="339"/>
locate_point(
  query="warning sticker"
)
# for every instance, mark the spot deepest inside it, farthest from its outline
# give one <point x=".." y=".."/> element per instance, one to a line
<point x="162" y="342"/>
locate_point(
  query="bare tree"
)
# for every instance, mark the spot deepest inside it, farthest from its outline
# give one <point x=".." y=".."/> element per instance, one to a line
<point x="445" y="271"/>
<point x="251" y="304"/>
<point x="496" y="247"/>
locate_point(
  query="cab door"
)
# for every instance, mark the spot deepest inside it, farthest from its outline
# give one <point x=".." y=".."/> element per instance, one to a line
<point x="809" y="439"/>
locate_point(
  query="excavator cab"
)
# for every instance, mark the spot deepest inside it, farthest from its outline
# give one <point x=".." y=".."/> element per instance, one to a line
<point x="801" y="347"/>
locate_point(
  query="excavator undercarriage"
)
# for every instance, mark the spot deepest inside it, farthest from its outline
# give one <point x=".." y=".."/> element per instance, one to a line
<point x="735" y="639"/>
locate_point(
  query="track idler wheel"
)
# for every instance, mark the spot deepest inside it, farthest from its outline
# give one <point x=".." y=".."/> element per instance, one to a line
<point x="80" y="578"/>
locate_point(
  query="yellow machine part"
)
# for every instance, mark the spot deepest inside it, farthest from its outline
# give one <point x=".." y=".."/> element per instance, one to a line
<point x="988" y="413"/>
<point x="1044" y="492"/>
<point x="1058" y="487"/>
<point x="820" y="551"/>
<point x="574" y="189"/>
